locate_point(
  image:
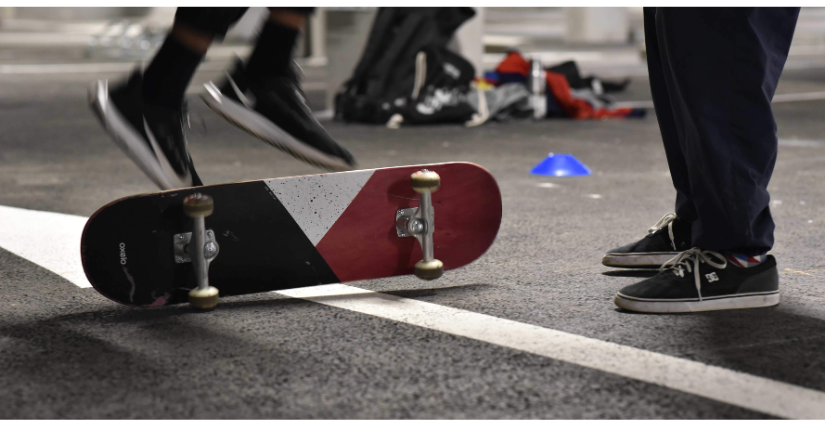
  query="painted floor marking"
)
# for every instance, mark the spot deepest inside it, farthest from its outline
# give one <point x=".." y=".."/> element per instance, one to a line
<point x="52" y="240"/>
<point x="777" y="99"/>
<point x="720" y="384"/>
<point x="796" y="97"/>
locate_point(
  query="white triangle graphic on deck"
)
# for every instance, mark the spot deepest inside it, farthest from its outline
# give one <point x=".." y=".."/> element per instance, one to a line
<point x="316" y="202"/>
<point x="51" y="240"/>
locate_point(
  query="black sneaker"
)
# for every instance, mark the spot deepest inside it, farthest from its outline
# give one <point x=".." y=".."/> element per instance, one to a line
<point x="699" y="280"/>
<point x="666" y="239"/>
<point x="152" y="136"/>
<point x="275" y="111"/>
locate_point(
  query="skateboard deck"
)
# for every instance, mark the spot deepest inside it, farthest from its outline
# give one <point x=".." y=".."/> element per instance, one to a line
<point x="288" y="232"/>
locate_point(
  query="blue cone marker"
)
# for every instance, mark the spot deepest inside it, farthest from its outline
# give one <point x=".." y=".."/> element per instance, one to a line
<point x="560" y="165"/>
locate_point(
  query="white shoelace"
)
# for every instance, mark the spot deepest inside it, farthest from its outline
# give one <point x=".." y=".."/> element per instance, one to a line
<point x="682" y="262"/>
<point x="666" y="220"/>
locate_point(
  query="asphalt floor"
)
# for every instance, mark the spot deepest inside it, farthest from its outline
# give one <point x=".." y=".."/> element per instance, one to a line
<point x="67" y="352"/>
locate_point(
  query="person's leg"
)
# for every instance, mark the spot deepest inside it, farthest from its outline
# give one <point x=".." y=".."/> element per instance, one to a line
<point x="671" y="234"/>
<point x="167" y="76"/>
<point x="668" y="125"/>
<point x="170" y="71"/>
<point x="146" y="114"/>
<point x="721" y="68"/>
<point x="273" y="50"/>
<point x="264" y="96"/>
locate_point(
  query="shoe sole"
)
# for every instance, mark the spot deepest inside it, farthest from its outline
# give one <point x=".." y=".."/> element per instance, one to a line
<point x="262" y="128"/>
<point x="638" y="260"/>
<point x="126" y="138"/>
<point x="744" y="301"/>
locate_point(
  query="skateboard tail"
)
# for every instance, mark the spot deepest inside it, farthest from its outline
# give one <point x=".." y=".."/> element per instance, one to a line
<point x="467" y="219"/>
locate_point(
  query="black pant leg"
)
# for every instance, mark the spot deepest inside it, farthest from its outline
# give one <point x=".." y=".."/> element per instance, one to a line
<point x="667" y="120"/>
<point x="721" y="68"/>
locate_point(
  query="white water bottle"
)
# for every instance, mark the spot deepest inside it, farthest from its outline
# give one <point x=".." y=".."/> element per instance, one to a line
<point x="538" y="89"/>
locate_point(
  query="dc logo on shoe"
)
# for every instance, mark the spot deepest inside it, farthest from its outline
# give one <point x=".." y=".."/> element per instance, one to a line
<point x="712" y="277"/>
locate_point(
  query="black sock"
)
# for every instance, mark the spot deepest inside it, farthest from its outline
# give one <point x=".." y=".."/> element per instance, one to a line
<point x="273" y="51"/>
<point x="167" y="77"/>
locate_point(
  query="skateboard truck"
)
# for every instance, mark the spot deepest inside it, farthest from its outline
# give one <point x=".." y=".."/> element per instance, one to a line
<point x="419" y="222"/>
<point x="202" y="250"/>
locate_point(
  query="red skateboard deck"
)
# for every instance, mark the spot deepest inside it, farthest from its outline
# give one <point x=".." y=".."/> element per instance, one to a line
<point x="288" y="232"/>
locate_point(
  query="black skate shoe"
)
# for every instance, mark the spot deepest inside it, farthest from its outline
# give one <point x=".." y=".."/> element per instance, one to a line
<point x="666" y="239"/>
<point x="275" y="111"/>
<point x="152" y="136"/>
<point x="699" y="280"/>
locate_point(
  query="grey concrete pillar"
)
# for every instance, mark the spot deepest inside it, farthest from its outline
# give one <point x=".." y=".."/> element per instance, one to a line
<point x="469" y="41"/>
<point x="318" y="34"/>
<point x="347" y="32"/>
<point x="597" y="25"/>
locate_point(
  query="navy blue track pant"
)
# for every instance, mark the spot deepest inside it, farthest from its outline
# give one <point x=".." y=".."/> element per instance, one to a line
<point x="713" y="73"/>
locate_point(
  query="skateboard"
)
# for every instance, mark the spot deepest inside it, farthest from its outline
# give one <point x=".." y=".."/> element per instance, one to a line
<point x="199" y="244"/>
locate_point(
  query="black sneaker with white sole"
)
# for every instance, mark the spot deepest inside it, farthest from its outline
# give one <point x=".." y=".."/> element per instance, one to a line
<point x="666" y="239"/>
<point x="274" y="110"/>
<point x="700" y="280"/>
<point x="152" y="136"/>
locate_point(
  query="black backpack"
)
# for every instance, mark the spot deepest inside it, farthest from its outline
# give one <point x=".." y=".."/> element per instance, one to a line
<point x="386" y="71"/>
<point x="439" y="95"/>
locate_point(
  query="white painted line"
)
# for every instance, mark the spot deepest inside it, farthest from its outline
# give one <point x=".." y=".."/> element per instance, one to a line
<point x="806" y="143"/>
<point x="796" y="97"/>
<point x="93" y="67"/>
<point x="777" y="99"/>
<point x="15" y="69"/>
<point x="40" y="39"/>
<point x="123" y="67"/>
<point x="51" y="240"/>
<point x="731" y="387"/>
<point x="218" y="63"/>
<point x="635" y="104"/>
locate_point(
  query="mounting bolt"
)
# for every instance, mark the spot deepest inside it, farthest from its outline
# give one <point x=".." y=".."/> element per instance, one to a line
<point x="210" y="250"/>
<point x="416" y="227"/>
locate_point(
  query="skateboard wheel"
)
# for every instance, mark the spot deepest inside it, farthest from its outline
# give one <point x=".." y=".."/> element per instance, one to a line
<point x="425" y="180"/>
<point x="429" y="270"/>
<point x="203" y="299"/>
<point x="198" y="205"/>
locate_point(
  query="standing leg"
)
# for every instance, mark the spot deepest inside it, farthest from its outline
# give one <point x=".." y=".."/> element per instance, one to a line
<point x="671" y="234"/>
<point x="668" y="125"/>
<point x="721" y="68"/>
